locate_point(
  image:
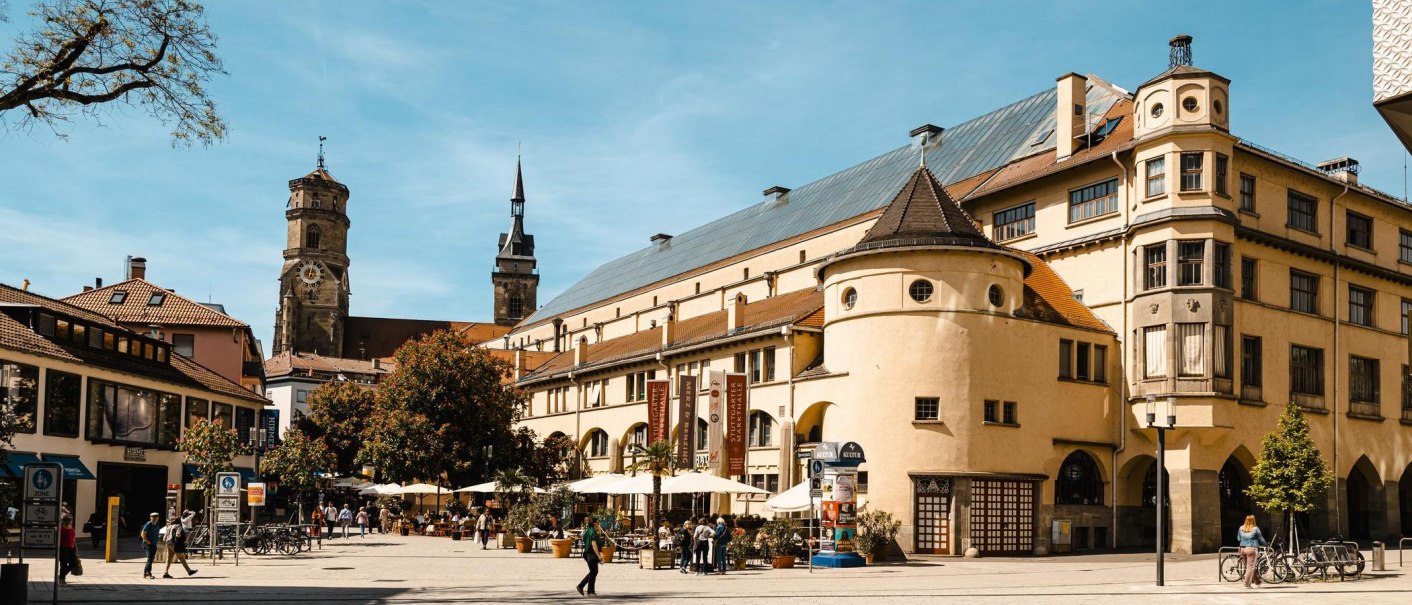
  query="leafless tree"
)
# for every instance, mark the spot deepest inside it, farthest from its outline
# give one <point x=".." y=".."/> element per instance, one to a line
<point x="89" y="57"/>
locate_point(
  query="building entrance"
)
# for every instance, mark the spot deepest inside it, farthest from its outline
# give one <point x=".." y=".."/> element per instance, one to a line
<point x="932" y="512"/>
<point x="140" y="488"/>
<point x="1003" y="516"/>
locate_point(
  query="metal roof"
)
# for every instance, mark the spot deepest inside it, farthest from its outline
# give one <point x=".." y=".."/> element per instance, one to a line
<point x="962" y="151"/>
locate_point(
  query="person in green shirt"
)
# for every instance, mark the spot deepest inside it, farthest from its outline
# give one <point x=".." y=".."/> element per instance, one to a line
<point x="592" y="554"/>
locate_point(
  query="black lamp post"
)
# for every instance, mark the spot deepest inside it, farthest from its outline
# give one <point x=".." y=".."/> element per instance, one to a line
<point x="1171" y="423"/>
<point x="257" y="443"/>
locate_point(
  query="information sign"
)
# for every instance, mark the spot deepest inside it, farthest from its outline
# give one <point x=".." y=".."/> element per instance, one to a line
<point x="40" y="537"/>
<point x="255" y="494"/>
<point x="228" y="484"/>
<point x="227" y="502"/>
<point x="41" y="513"/>
<point x="41" y="483"/>
<point x="227" y="516"/>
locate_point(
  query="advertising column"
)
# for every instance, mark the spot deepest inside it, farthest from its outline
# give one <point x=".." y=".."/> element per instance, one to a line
<point x="838" y="517"/>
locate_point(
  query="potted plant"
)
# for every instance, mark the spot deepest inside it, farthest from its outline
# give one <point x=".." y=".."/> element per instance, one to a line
<point x="876" y="529"/>
<point x="740" y="548"/>
<point x="780" y="535"/>
<point x="608" y="521"/>
<point x="560" y="502"/>
<point x="523" y="517"/>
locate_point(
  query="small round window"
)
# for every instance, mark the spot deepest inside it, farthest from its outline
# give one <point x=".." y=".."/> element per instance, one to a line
<point x="1189" y="104"/>
<point x="850" y="298"/>
<point x="1156" y="110"/>
<point x="1216" y="106"/>
<point x="997" y="296"/>
<point x="920" y="290"/>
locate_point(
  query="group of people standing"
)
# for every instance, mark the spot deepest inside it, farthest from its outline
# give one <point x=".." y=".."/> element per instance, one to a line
<point x="705" y="541"/>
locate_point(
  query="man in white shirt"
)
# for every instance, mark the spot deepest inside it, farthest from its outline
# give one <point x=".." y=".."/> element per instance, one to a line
<point x="330" y="518"/>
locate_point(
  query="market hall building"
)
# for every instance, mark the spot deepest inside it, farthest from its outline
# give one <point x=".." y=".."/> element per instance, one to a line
<point x="1132" y="246"/>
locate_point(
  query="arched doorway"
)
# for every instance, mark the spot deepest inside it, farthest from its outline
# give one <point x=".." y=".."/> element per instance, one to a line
<point x="1137" y="503"/>
<point x="1360" y="489"/>
<point x="1232" y="482"/>
<point x="1404" y="487"/>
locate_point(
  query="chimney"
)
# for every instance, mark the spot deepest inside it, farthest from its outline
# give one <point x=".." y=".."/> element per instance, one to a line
<point x="377" y="364"/>
<point x="581" y="351"/>
<point x="669" y="326"/>
<point x="97" y="282"/>
<point x="88" y="288"/>
<point x="1070" y="114"/>
<point x="660" y="238"/>
<point x="774" y="194"/>
<point x="1180" y="53"/>
<point x="519" y="363"/>
<point x="136" y="267"/>
<point x="1344" y="169"/>
<point x="558" y="332"/>
<point x="735" y="313"/>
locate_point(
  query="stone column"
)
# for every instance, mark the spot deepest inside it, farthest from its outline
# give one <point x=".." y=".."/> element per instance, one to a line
<point x="1196" y="505"/>
<point x="1392" y="514"/>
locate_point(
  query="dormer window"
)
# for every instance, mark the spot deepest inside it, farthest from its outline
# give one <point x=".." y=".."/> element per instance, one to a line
<point x="156" y="299"/>
<point x="117" y="298"/>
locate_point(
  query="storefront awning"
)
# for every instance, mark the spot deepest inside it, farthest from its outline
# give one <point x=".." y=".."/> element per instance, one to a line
<point x="15" y="462"/>
<point x="190" y="471"/>
<point x="73" y="467"/>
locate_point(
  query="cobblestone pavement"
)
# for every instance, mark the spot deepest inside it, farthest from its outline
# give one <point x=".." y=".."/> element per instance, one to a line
<point x="396" y="569"/>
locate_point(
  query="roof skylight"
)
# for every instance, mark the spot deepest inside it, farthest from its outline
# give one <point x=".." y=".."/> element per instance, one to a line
<point x="118" y="297"/>
<point x="157" y="298"/>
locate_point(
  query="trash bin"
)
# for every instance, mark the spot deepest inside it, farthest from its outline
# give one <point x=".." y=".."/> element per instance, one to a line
<point x="14" y="583"/>
<point x="1379" y="557"/>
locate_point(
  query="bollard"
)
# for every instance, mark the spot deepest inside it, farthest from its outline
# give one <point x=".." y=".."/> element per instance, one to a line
<point x="14" y="583"/>
<point x="1379" y="557"/>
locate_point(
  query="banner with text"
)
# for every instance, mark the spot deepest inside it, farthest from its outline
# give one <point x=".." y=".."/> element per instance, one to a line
<point x="735" y="424"/>
<point x="686" y="414"/>
<point x="659" y="410"/>
<point x="715" y="422"/>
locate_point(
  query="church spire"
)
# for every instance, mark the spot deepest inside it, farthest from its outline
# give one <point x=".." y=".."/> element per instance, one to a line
<point x="519" y="194"/>
<point x="515" y="278"/>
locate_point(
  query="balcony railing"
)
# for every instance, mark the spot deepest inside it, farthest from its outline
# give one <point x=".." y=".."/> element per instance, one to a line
<point x="1371" y="409"/>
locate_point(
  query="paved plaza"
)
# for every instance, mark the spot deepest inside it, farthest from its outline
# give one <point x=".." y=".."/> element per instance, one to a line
<point x="396" y="569"/>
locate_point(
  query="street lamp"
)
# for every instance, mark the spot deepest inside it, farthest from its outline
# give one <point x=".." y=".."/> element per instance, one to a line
<point x="1171" y="423"/>
<point x="257" y="443"/>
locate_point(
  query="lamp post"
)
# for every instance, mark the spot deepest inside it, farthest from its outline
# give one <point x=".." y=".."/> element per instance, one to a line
<point x="257" y="443"/>
<point x="1171" y="423"/>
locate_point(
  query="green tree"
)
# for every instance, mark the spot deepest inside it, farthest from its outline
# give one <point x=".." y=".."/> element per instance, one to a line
<point x="10" y="423"/>
<point x="659" y="459"/>
<point x="513" y="487"/>
<point x="1291" y="475"/>
<point x="211" y="447"/>
<point x="338" y="412"/>
<point x="295" y="461"/>
<point x="545" y="461"/>
<point x="90" y="57"/>
<point x="453" y="395"/>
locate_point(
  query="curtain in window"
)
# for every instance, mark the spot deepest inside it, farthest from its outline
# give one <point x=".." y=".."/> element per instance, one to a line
<point x="1155" y="351"/>
<point x="1191" y="357"/>
<point x="1220" y="342"/>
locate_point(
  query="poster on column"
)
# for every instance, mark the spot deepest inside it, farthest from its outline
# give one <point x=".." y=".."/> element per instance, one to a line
<point x="659" y="409"/>
<point x="735" y="423"/>
<point x="714" y="421"/>
<point x="686" y="414"/>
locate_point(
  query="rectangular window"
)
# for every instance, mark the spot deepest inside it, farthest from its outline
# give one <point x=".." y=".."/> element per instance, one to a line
<point x="755" y="366"/>
<point x="63" y="397"/>
<point x="1222" y="165"/>
<point x="1191" y="171"/>
<point x="1362" y="379"/>
<point x="1404" y="246"/>
<point x="1306" y="370"/>
<point x="928" y="408"/>
<point x="992" y="410"/>
<point x="1303" y="211"/>
<point x="1360" y="305"/>
<point x="740" y="363"/>
<point x="1156" y="176"/>
<point x="1221" y="351"/>
<point x="1406" y="309"/>
<point x="1081" y="361"/>
<point x="1249" y="284"/>
<point x="1221" y="259"/>
<point x="124" y="414"/>
<point x="1303" y="291"/>
<point x="1066" y="362"/>
<point x="222" y="414"/>
<point x="769" y="364"/>
<point x="1247" y="193"/>
<point x="1094" y="200"/>
<point x="301" y="396"/>
<point x="1406" y="393"/>
<point x="1155" y="260"/>
<point x="1100" y="363"/>
<point x="1009" y="415"/>
<point x="1191" y="349"/>
<point x="1154" y="340"/>
<point x="1360" y="230"/>
<point x="1251" y="368"/>
<point x="19" y="393"/>
<point x="197" y="409"/>
<point x="184" y="345"/>
<point x="244" y="421"/>
<point x="1190" y="256"/>
<point x="1014" y="222"/>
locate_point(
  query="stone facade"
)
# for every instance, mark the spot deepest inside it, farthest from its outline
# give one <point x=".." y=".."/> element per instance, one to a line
<point x="314" y="278"/>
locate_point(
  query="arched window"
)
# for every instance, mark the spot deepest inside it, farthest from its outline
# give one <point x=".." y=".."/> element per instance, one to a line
<point x="597" y="444"/>
<point x="639" y="436"/>
<point x="1079" y="481"/>
<point x="701" y="429"/>
<point x="516" y="306"/>
<point x="311" y="239"/>
<point x="760" y="429"/>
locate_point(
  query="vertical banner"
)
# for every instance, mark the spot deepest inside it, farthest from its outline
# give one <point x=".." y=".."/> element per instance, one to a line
<point x="686" y="413"/>
<point x="659" y="410"/>
<point x="735" y="424"/>
<point x="715" y="429"/>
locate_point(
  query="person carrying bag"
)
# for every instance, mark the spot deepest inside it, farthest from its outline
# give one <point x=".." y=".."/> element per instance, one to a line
<point x="592" y="554"/>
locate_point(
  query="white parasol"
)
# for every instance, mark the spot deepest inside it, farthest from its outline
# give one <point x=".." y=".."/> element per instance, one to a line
<point x="703" y="483"/>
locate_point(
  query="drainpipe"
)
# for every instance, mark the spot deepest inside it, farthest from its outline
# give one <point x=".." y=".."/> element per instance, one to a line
<point x="787" y="474"/>
<point x="578" y="410"/>
<point x="1338" y="264"/>
<point x="1122" y="394"/>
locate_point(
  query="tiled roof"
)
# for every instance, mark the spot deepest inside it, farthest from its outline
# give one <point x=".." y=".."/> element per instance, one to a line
<point x="371" y="337"/>
<point x="1048" y="298"/>
<point x="175" y="310"/>
<point x="923" y="214"/>
<point x="287" y="363"/>
<point x="180" y="371"/>
<point x="1043" y="163"/>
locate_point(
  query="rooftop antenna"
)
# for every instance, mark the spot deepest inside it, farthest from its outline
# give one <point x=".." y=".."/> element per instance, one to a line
<point x="322" y="138"/>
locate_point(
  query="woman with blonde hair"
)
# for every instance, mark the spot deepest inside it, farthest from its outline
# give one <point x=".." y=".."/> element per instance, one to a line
<point x="1250" y="540"/>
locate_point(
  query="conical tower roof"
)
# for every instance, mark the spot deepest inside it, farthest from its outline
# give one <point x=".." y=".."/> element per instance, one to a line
<point x="519" y="193"/>
<point x="922" y="214"/>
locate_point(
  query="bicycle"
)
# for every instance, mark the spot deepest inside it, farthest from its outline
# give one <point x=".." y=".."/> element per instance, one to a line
<point x="1269" y="566"/>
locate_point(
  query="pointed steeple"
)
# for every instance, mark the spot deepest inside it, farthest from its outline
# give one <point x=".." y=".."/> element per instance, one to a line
<point x="519" y="194"/>
<point x="922" y="214"/>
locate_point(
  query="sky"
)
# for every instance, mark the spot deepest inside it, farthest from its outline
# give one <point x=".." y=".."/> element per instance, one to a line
<point x="633" y="118"/>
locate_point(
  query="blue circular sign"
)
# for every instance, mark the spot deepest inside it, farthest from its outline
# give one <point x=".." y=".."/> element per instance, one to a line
<point x="42" y="479"/>
<point x="227" y="483"/>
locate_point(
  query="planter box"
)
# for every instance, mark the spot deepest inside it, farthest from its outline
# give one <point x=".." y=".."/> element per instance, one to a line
<point x="785" y="562"/>
<point x="652" y="559"/>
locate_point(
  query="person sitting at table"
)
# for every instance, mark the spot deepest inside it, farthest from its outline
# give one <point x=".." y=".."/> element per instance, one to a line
<point x="556" y="531"/>
<point x="664" y="535"/>
<point x="419" y="521"/>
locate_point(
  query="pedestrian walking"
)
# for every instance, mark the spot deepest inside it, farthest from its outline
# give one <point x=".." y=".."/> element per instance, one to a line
<point x="345" y="519"/>
<point x="682" y="540"/>
<point x="68" y="550"/>
<point x="483" y="525"/>
<point x="149" y="535"/>
<point x="317" y="520"/>
<point x="1250" y="540"/>
<point x="592" y="554"/>
<point x="174" y="541"/>
<point x="702" y="540"/>
<point x="330" y="518"/>
<point x="721" y="538"/>
<point x="363" y="522"/>
<point x="95" y="527"/>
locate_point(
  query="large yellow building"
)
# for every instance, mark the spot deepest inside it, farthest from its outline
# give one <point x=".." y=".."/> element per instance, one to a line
<point x="992" y="345"/>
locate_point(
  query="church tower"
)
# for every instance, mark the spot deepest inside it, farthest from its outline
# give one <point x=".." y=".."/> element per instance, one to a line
<point x="314" y="279"/>
<point x="515" y="277"/>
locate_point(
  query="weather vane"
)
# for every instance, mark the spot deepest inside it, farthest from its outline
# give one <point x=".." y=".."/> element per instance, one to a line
<point x="322" y="138"/>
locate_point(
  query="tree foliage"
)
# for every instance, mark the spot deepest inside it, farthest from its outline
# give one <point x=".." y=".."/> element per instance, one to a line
<point x="402" y="445"/>
<point x="338" y="412"/>
<point x="211" y="447"/>
<point x="547" y="461"/>
<point x="87" y="57"/>
<point x="296" y="460"/>
<point x="660" y="459"/>
<point x="10" y="423"/>
<point x="1291" y="474"/>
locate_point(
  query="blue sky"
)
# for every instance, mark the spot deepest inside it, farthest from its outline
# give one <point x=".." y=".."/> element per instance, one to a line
<point x="635" y="118"/>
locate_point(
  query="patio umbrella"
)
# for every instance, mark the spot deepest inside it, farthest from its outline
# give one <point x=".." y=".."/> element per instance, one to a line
<point x="592" y="484"/>
<point x="489" y="488"/>
<point x="703" y="483"/>
<point x="796" y="499"/>
<point x="641" y="484"/>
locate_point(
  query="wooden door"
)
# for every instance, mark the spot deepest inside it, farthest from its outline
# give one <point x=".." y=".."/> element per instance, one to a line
<point x="1003" y="516"/>
<point x="932" y="515"/>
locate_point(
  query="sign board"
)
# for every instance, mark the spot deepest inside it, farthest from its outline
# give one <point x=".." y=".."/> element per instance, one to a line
<point x="816" y="493"/>
<point x="134" y="454"/>
<point x="227" y="516"/>
<point x="659" y="410"/>
<point x="227" y="484"/>
<point x="715" y="419"/>
<point x="816" y="468"/>
<point x="735" y="423"/>
<point x="40" y="537"/>
<point x="826" y="451"/>
<point x="227" y="502"/>
<point x="41" y="482"/>
<point x="686" y="415"/>
<point x="42" y="490"/>
<point x="255" y="494"/>
<point x="851" y="454"/>
<point x="41" y="513"/>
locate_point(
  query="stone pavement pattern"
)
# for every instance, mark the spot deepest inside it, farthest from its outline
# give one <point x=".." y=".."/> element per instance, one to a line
<point x="396" y="569"/>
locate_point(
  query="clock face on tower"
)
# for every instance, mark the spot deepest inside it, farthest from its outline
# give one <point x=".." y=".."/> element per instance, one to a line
<point x="310" y="273"/>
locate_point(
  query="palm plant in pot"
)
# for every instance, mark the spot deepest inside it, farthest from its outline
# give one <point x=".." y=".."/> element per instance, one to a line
<point x="514" y="489"/>
<point x="522" y="518"/>
<point x="659" y="459"/>
<point x="876" y="529"/>
<point x="780" y="537"/>
<point x="560" y="502"/>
